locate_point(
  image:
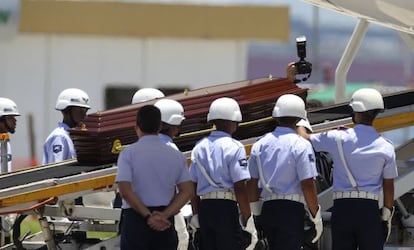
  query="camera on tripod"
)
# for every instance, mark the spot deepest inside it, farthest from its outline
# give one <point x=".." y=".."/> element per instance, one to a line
<point x="302" y="66"/>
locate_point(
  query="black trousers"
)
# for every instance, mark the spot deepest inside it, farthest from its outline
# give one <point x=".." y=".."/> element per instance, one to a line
<point x="219" y="225"/>
<point x="137" y="235"/>
<point x="283" y="223"/>
<point x="356" y="224"/>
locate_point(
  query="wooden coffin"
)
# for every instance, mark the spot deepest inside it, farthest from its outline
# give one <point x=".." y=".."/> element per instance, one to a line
<point x="95" y="139"/>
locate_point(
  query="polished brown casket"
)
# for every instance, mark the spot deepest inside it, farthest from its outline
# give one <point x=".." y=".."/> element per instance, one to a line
<point x="94" y="139"/>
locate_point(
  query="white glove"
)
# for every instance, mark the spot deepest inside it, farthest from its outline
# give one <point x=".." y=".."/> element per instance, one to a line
<point x="256" y="207"/>
<point x="317" y="220"/>
<point x="194" y="222"/>
<point x="250" y="227"/>
<point x="386" y="216"/>
<point x="249" y="232"/>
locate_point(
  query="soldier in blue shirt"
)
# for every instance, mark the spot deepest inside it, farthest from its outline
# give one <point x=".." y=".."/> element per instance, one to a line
<point x="141" y="95"/>
<point x="357" y="222"/>
<point x="8" y="113"/>
<point x="73" y="103"/>
<point x="219" y="169"/>
<point x="172" y="115"/>
<point x="149" y="172"/>
<point x="282" y="164"/>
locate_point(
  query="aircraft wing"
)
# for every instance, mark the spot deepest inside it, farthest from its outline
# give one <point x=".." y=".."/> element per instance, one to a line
<point x="394" y="14"/>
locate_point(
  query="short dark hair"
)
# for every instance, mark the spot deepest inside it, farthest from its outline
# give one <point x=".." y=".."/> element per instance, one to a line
<point x="149" y="119"/>
<point x="165" y="128"/>
<point x="287" y="121"/>
<point x="369" y="115"/>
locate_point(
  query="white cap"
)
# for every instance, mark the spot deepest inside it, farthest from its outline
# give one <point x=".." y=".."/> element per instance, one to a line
<point x="224" y="108"/>
<point x="8" y="107"/>
<point x="305" y="123"/>
<point x="146" y="94"/>
<point x="72" y="97"/>
<point x="172" y="112"/>
<point x="289" y="105"/>
<point x="366" y="99"/>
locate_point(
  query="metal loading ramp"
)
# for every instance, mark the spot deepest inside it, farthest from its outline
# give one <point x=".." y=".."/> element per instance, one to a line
<point x="65" y="180"/>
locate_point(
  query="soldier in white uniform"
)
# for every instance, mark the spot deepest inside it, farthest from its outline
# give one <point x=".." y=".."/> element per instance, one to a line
<point x="219" y="169"/>
<point x="149" y="172"/>
<point x="8" y="113"/>
<point x="282" y="165"/>
<point x="357" y="221"/>
<point x="73" y="103"/>
<point x="172" y="115"/>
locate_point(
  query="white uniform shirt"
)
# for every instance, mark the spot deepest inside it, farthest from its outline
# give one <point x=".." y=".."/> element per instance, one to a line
<point x="224" y="159"/>
<point x="58" y="145"/>
<point x="286" y="160"/>
<point x="9" y="158"/>
<point x="369" y="157"/>
<point x="154" y="170"/>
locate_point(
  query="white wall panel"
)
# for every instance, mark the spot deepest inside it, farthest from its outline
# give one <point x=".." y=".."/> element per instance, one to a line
<point x="194" y="63"/>
<point x="22" y="80"/>
<point x="35" y="68"/>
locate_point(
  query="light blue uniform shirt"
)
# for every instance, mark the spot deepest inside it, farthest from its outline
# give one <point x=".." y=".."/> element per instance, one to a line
<point x="154" y="170"/>
<point x="58" y="145"/>
<point x="9" y="158"/>
<point x="224" y="159"/>
<point x="369" y="157"/>
<point x="286" y="159"/>
<point x="167" y="140"/>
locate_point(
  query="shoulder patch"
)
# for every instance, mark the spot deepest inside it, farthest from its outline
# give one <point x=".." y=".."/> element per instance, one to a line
<point x="57" y="148"/>
<point x="311" y="158"/>
<point x="243" y="163"/>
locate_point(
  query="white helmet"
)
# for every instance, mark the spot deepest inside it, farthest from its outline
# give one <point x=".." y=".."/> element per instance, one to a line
<point x="146" y="94"/>
<point x="172" y="112"/>
<point x="305" y="123"/>
<point x="72" y="97"/>
<point x="224" y="108"/>
<point x="366" y="99"/>
<point x="8" y="107"/>
<point x="289" y="105"/>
